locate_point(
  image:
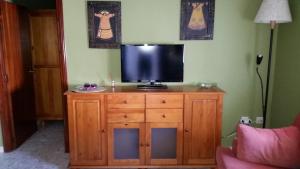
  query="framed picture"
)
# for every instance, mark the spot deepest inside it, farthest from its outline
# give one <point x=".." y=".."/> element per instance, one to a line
<point x="197" y="19"/>
<point x="104" y="24"/>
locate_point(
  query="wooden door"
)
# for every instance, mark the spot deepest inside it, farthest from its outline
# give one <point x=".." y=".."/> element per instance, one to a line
<point x="18" y="112"/>
<point x="47" y="85"/>
<point x="44" y="41"/>
<point x="126" y="144"/>
<point x="164" y="143"/>
<point x="200" y="129"/>
<point x="87" y="129"/>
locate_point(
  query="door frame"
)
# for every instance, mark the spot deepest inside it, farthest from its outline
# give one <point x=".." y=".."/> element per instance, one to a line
<point x="6" y="117"/>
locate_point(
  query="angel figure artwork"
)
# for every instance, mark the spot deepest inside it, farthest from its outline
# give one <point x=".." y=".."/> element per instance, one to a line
<point x="197" y="19"/>
<point x="104" y="24"/>
<point x="104" y="30"/>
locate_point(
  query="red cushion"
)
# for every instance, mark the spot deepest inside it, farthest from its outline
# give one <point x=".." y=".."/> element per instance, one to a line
<point x="276" y="147"/>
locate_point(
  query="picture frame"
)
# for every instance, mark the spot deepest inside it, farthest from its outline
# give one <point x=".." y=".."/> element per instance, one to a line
<point x="104" y="24"/>
<point x="197" y="19"/>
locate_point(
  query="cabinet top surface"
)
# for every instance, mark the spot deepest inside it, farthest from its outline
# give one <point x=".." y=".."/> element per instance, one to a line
<point x="171" y="89"/>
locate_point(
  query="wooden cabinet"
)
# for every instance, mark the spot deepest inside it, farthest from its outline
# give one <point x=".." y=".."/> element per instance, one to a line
<point x="164" y="143"/>
<point x="126" y="143"/>
<point x="87" y="129"/>
<point x="180" y="126"/>
<point x="202" y="128"/>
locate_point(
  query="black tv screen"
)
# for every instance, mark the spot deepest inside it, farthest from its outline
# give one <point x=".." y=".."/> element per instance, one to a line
<point x="152" y="63"/>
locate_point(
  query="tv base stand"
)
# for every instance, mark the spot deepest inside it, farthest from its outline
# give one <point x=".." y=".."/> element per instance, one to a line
<point x="152" y="86"/>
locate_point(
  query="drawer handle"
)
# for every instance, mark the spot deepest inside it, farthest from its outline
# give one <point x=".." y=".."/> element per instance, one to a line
<point x="142" y="145"/>
<point x="103" y="131"/>
<point x="125" y="116"/>
<point x="125" y="101"/>
<point x="163" y="101"/>
<point x="147" y="145"/>
<point x="186" y="130"/>
<point x="164" y="116"/>
<point x="126" y="124"/>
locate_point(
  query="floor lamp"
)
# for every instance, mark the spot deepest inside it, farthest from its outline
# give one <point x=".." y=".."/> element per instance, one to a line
<point x="272" y="12"/>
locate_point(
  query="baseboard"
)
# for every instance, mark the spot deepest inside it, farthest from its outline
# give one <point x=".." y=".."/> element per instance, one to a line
<point x="1" y="149"/>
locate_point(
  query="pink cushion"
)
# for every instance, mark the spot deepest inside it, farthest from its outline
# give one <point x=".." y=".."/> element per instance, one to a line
<point x="276" y="147"/>
<point x="227" y="160"/>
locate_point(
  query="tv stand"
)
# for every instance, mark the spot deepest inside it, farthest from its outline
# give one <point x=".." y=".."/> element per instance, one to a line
<point x="152" y="86"/>
<point x="123" y="127"/>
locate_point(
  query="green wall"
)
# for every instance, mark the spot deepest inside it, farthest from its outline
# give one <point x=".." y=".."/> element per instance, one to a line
<point x="228" y="60"/>
<point x="286" y="93"/>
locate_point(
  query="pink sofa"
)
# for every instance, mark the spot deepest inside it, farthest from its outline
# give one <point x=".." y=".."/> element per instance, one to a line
<point x="230" y="158"/>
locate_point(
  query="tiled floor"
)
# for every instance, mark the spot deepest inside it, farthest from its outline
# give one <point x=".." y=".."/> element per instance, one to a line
<point x="44" y="150"/>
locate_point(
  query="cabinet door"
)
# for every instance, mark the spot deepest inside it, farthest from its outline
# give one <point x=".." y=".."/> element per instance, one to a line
<point x="126" y="144"/>
<point x="164" y="143"/>
<point x="200" y="129"/>
<point x="87" y="130"/>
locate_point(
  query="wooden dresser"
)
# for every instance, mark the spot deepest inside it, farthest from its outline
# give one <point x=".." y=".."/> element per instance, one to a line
<point x="124" y="127"/>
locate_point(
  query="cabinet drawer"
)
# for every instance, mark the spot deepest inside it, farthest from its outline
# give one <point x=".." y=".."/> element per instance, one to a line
<point x="125" y="115"/>
<point x="121" y="101"/>
<point x="164" y="101"/>
<point x="164" y="115"/>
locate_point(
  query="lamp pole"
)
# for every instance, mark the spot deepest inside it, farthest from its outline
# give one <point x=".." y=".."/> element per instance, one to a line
<point x="273" y="25"/>
<point x="272" y="12"/>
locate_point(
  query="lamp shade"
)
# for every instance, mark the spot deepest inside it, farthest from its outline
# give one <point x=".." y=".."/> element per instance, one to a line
<point x="274" y="11"/>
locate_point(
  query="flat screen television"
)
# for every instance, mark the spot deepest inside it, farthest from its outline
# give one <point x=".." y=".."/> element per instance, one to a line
<point x="152" y="63"/>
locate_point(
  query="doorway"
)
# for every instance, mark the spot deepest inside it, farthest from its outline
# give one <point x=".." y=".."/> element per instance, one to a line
<point x="32" y="66"/>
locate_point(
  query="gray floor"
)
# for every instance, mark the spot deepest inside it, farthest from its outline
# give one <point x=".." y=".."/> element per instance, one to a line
<point x="44" y="150"/>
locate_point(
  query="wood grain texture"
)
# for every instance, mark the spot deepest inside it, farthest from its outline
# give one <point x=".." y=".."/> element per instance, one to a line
<point x="48" y="93"/>
<point x="5" y="113"/>
<point x="164" y="101"/>
<point x="179" y="144"/>
<point x="44" y="38"/>
<point x="125" y="117"/>
<point x="164" y="115"/>
<point x="144" y="166"/>
<point x="120" y="162"/>
<point x="62" y="65"/>
<point x="9" y="29"/>
<point x="87" y="130"/>
<point x="45" y="53"/>
<point x="198" y="124"/>
<point x="19" y="116"/>
<point x="200" y="118"/>
<point x="176" y="90"/>
<point x="121" y="101"/>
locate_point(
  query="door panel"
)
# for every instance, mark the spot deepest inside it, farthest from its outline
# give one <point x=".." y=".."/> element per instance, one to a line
<point x="200" y="130"/>
<point x="48" y="93"/>
<point x="44" y="38"/>
<point x="87" y="131"/>
<point x="164" y="143"/>
<point x="17" y="63"/>
<point x="126" y="143"/>
<point x="44" y="41"/>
